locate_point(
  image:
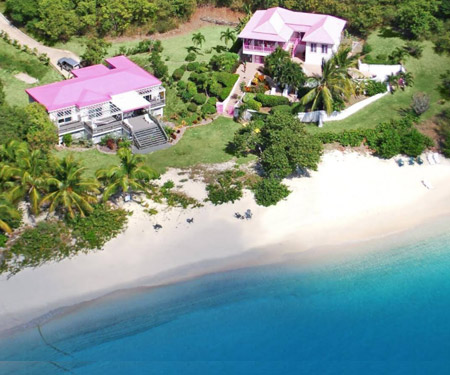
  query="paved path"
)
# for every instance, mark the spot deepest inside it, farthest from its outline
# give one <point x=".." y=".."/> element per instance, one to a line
<point x="53" y="53"/>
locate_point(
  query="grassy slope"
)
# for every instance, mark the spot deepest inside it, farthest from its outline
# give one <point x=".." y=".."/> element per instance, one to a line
<point x="174" y="47"/>
<point x="426" y="71"/>
<point x="204" y="144"/>
<point x="13" y="61"/>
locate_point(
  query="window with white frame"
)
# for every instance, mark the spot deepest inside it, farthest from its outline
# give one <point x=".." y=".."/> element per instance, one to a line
<point x="64" y="116"/>
<point x="313" y="47"/>
<point x="325" y="48"/>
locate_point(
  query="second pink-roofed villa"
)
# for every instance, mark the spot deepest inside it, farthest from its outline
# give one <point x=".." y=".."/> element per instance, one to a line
<point x="118" y="99"/>
<point x="306" y="36"/>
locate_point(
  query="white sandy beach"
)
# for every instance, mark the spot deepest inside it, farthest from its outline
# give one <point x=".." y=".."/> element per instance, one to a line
<point x="352" y="198"/>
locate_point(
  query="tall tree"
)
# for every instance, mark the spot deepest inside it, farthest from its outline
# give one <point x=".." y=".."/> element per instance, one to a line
<point x="198" y="39"/>
<point x="228" y="36"/>
<point x="96" y="50"/>
<point x="27" y="179"/>
<point x="70" y="192"/>
<point x="129" y="176"/>
<point x="41" y="133"/>
<point x="58" y="20"/>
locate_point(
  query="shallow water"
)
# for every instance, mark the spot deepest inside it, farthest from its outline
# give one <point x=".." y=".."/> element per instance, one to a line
<point x="384" y="311"/>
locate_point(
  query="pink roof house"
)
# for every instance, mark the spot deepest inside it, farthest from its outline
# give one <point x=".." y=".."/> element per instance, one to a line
<point x="102" y="99"/>
<point x="310" y="37"/>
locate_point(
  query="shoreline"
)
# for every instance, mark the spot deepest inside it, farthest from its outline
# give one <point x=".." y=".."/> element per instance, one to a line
<point x="353" y="201"/>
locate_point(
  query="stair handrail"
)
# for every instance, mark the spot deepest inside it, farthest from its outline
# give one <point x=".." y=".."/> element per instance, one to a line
<point x="156" y="121"/>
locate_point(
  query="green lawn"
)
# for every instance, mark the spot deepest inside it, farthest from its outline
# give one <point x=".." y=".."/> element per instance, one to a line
<point x="426" y="71"/>
<point x="204" y="144"/>
<point x="174" y="47"/>
<point x="13" y="61"/>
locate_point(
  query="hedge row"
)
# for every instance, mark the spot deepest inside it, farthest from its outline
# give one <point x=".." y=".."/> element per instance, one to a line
<point x="271" y="100"/>
<point x="387" y="139"/>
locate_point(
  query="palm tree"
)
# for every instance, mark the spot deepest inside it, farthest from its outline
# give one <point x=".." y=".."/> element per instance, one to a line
<point x="8" y="213"/>
<point x="193" y="49"/>
<point x="27" y="178"/>
<point x="70" y="192"/>
<point x="227" y="36"/>
<point x="130" y="176"/>
<point x="344" y="61"/>
<point x="198" y="39"/>
<point x="9" y="150"/>
<point x="332" y="85"/>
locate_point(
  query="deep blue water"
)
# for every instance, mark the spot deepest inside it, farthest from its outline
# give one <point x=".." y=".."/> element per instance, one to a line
<point x="371" y="312"/>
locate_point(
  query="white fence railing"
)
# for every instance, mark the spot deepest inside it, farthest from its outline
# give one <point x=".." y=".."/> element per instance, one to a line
<point x="321" y="116"/>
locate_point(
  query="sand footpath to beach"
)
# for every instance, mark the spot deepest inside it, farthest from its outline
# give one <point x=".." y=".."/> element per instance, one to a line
<point x="352" y="198"/>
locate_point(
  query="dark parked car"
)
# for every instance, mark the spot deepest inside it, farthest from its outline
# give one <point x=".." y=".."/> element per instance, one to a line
<point x="66" y="63"/>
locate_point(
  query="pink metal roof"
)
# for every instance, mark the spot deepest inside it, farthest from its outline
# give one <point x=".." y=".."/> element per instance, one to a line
<point x="278" y="24"/>
<point x="94" y="84"/>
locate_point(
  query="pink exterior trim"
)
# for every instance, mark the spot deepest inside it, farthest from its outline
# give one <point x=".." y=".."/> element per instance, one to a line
<point x="93" y="85"/>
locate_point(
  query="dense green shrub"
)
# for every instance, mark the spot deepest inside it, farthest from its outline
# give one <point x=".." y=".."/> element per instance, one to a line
<point x="387" y="139"/>
<point x="271" y="100"/>
<point x="181" y="85"/>
<point x="212" y="101"/>
<point x="199" y="98"/>
<point x="225" y="62"/>
<point x="67" y="139"/>
<point x="48" y="241"/>
<point x="284" y="108"/>
<point x="177" y="74"/>
<point x="367" y="48"/>
<point x="192" y="107"/>
<point x="375" y="87"/>
<point x="227" y="188"/>
<point x="269" y="191"/>
<point x="226" y="79"/>
<point x="444" y="132"/>
<point x="191" y="56"/>
<point x="215" y="88"/>
<point x="102" y="224"/>
<point x="253" y="104"/>
<point x="208" y="109"/>
<point x="192" y="66"/>
<point x="224" y="93"/>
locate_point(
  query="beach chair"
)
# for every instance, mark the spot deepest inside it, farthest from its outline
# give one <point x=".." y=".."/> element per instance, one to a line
<point x="419" y="160"/>
<point x="430" y="159"/>
<point x="411" y="161"/>
<point x="427" y="184"/>
<point x="400" y="162"/>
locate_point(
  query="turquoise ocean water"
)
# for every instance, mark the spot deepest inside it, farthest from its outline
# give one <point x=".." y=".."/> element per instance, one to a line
<point x="370" y="312"/>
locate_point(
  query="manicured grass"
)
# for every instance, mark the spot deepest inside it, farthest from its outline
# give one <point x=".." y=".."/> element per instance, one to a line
<point x="92" y="160"/>
<point x="203" y="144"/>
<point x="426" y="71"/>
<point x="13" y="61"/>
<point x="174" y="48"/>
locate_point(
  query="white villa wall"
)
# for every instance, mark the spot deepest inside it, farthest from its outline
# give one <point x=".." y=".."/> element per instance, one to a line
<point x="315" y="58"/>
<point x="321" y="116"/>
<point x="379" y="72"/>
